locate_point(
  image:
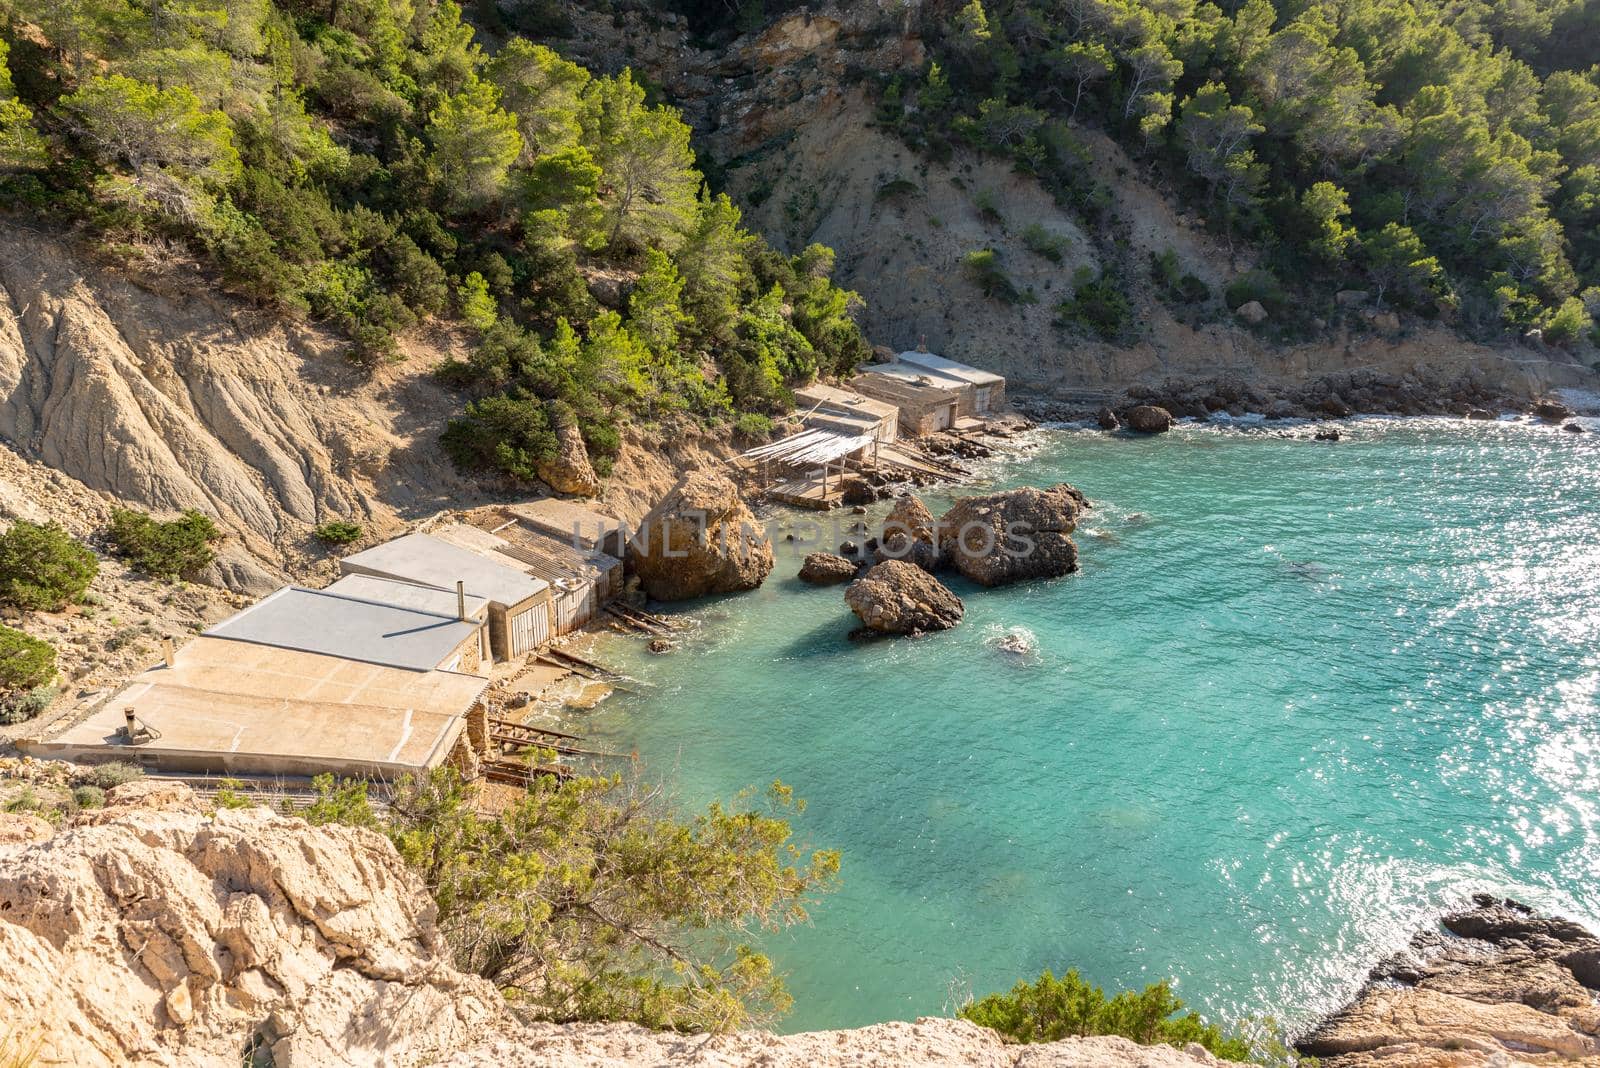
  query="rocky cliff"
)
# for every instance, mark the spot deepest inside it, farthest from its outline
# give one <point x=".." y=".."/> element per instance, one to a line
<point x="788" y="115"/>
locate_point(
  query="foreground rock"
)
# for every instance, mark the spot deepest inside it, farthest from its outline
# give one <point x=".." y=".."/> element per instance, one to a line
<point x="928" y="1043"/>
<point x="908" y="534"/>
<point x="826" y="569"/>
<point x="151" y="932"/>
<point x="700" y="540"/>
<point x="900" y="598"/>
<point x="570" y="470"/>
<point x="999" y="538"/>
<point x="1149" y="419"/>
<point x="1501" y="986"/>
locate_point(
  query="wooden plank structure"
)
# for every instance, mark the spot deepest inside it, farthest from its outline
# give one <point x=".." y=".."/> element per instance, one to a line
<point x="811" y="485"/>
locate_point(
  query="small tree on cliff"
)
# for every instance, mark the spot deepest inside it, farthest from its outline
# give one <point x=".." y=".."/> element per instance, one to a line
<point x="593" y="901"/>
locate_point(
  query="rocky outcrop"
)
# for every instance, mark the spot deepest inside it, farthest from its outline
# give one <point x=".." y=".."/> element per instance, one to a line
<point x="900" y="598"/>
<point x="153" y="932"/>
<point x="826" y="569"/>
<point x="700" y="540"/>
<point x="1498" y="986"/>
<point x="570" y="471"/>
<point x="1149" y="419"/>
<point x="927" y="1043"/>
<point x="1551" y="410"/>
<point x="908" y="534"/>
<point x="999" y="538"/>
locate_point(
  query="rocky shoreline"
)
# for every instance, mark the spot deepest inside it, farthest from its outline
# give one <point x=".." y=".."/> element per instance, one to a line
<point x="1496" y="984"/>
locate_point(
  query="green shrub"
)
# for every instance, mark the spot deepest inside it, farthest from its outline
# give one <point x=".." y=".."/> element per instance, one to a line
<point x="1052" y="1009"/>
<point x="1098" y="304"/>
<point x="26" y="663"/>
<point x="339" y="532"/>
<point x="1260" y="286"/>
<point x="753" y="426"/>
<point x="170" y="549"/>
<point x="899" y="187"/>
<point x="984" y="270"/>
<point x="25" y="704"/>
<point x="1044" y="242"/>
<point x="42" y="568"/>
<point x="509" y="433"/>
<point x="109" y="776"/>
<point x="1568" y="323"/>
<point x="89" y="796"/>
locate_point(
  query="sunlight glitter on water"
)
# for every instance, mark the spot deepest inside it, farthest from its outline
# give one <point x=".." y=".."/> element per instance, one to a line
<point x="1300" y="698"/>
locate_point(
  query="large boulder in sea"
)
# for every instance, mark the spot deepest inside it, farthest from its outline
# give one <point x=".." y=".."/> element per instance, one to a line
<point x="900" y="598"/>
<point x="826" y="569"/>
<point x="998" y="538"/>
<point x="908" y="534"/>
<point x="1504" y="985"/>
<point x="1149" y="419"/>
<point x="158" y="931"/>
<point x="569" y="471"/>
<point x="700" y="540"/>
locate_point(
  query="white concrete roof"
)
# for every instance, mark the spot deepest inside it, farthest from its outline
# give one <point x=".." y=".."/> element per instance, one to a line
<point x="832" y="398"/>
<point x="910" y="383"/>
<point x="330" y="624"/>
<point x="431" y="561"/>
<point x="951" y="369"/>
<point x="419" y="598"/>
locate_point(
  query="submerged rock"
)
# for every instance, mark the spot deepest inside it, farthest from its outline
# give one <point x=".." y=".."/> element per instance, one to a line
<point x="700" y="540"/>
<point x="826" y="569"/>
<point x="999" y="538"/>
<point x="1502" y="986"/>
<point x="900" y="598"/>
<point x="1149" y="419"/>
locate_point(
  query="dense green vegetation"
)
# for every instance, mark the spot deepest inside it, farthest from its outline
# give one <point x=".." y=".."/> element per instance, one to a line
<point x="27" y="672"/>
<point x="1052" y="1009"/>
<point x="365" y="162"/>
<point x="42" y="568"/>
<point x="593" y="900"/>
<point x="339" y="532"/>
<point x="1443" y="156"/>
<point x="170" y="549"/>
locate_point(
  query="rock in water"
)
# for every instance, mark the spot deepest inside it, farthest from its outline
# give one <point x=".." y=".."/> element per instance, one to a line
<point x="1505" y="986"/>
<point x="1108" y="420"/>
<point x="999" y="538"/>
<point x="155" y="932"/>
<point x="908" y="534"/>
<point x="826" y="569"/>
<point x="900" y="598"/>
<point x="1552" y="411"/>
<point x="1149" y="419"/>
<point x="700" y="540"/>
<point x="570" y="471"/>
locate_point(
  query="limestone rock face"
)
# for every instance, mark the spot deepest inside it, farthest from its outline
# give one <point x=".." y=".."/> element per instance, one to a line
<point x="900" y="598"/>
<point x="999" y="538"/>
<point x="700" y="540"/>
<point x="1148" y="419"/>
<point x="570" y="471"/>
<point x="153" y="933"/>
<point x="927" y="1043"/>
<point x="908" y="534"/>
<point x="826" y="569"/>
<point x="1503" y="986"/>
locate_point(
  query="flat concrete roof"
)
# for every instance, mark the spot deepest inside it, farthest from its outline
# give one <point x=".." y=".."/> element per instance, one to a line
<point x="910" y="384"/>
<point x="329" y="624"/>
<point x="952" y="369"/>
<point x="431" y="561"/>
<point x="551" y="559"/>
<point x="844" y="400"/>
<point x="232" y="706"/>
<point x="563" y="519"/>
<point x="429" y="599"/>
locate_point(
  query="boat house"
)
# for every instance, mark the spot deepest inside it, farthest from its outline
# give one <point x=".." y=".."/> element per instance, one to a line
<point x="844" y="411"/>
<point x="980" y="392"/>
<point x="580" y="581"/>
<point x="926" y="403"/>
<point x="572" y="523"/>
<point x="518" y="603"/>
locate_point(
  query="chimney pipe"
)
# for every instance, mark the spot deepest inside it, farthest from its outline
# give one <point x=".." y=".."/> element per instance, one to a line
<point x="461" y="600"/>
<point x="132" y="722"/>
<point x="168" y="653"/>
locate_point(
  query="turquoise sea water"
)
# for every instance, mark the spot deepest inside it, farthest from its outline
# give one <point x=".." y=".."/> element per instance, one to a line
<point x="1301" y="697"/>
